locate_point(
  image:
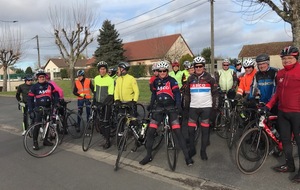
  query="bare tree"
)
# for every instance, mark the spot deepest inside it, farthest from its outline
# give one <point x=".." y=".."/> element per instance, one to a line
<point x="288" y="10"/>
<point x="72" y="32"/>
<point x="10" y="50"/>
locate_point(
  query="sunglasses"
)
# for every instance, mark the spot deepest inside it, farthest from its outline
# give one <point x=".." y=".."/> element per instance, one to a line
<point x="162" y="71"/>
<point x="200" y="66"/>
<point x="225" y="65"/>
<point x="41" y="77"/>
<point x="247" y="67"/>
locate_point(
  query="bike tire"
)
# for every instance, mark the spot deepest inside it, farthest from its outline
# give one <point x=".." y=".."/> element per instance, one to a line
<point x="221" y="125"/>
<point x="231" y="132"/>
<point x="121" y="146"/>
<point x="171" y="149"/>
<point x="252" y="151"/>
<point x="141" y="111"/>
<point x="120" y="128"/>
<point x="74" y="128"/>
<point x="88" y="135"/>
<point x="43" y="151"/>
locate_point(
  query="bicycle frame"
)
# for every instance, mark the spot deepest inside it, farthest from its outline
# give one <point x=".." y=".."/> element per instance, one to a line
<point x="267" y="129"/>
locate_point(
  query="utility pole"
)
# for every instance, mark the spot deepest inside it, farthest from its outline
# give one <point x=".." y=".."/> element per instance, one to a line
<point x="212" y="38"/>
<point x="38" y="49"/>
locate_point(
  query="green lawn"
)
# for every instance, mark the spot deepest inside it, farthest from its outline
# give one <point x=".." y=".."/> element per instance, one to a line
<point x="68" y="92"/>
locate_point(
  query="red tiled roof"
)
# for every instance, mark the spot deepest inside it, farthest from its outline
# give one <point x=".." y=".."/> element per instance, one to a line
<point x="150" y="48"/>
<point x="272" y="48"/>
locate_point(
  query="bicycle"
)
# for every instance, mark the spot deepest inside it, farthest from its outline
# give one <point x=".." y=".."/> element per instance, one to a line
<point x="254" y="145"/>
<point x="47" y="129"/>
<point x="131" y="129"/>
<point x="222" y="121"/>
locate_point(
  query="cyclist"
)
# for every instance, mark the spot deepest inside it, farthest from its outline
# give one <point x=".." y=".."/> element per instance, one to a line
<point x="57" y="88"/>
<point x="126" y="89"/>
<point x="41" y="94"/>
<point x="246" y="79"/>
<point x="187" y="66"/>
<point x="263" y="83"/>
<point x="201" y="96"/>
<point x="22" y="96"/>
<point x="112" y="72"/>
<point x="154" y="76"/>
<point x="104" y="94"/>
<point x="239" y="68"/>
<point x="287" y="95"/>
<point x="177" y="74"/>
<point x="83" y="89"/>
<point x="166" y="96"/>
<point x="226" y="78"/>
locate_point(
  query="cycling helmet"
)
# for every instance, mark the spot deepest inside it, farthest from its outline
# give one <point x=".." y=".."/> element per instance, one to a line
<point x="262" y="58"/>
<point x="124" y="65"/>
<point x="187" y="64"/>
<point x="40" y="72"/>
<point x="154" y="66"/>
<point x="80" y="73"/>
<point x="249" y="63"/>
<point x="163" y="65"/>
<point x="28" y="78"/>
<point x="198" y="60"/>
<point x="290" y="51"/>
<point x="175" y="64"/>
<point x="112" y="71"/>
<point x="226" y="61"/>
<point x="102" y="64"/>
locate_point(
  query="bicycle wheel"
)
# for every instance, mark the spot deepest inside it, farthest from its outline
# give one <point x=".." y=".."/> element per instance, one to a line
<point x="121" y="146"/>
<point x="251" y="124"/>
<point x="252" y="151"/>
<point x="120" y="129"/>
<point x="43" y="150"/>
<point x="141" y="111"/>
<point x="74" y="128"/>
<point x="232" y="131"/>
<point x="171" y="149"/>
<point x="221" y="124"/>
<point x="88" y="135"/>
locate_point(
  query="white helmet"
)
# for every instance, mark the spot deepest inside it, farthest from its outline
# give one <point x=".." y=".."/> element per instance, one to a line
<point x="226" y="61"/>
<point x="154" y="66"/>
<point x="163" y="65"/>
<point x="199" y="59"/>
<point x="249" y="63"/>
<point x="187" y="64"/>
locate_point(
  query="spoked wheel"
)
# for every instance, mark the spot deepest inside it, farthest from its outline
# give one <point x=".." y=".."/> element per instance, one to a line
<point x="44" y="150"/>
<point x="120" y="129"/>
<point x="252" y="150"/>
<point x="74" y="128"/>
<point x="121" y="146"/>
<point x="221" y="125"/>
<point x="232" y="131"/>
<point x="88" y="135"/>
<point x="171" y="149"/>
<point x="141" y="111"/>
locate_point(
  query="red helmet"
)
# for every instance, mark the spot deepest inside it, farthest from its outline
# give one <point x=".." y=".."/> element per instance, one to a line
<point x="290" y="50"/>
<point x="175" y="64"/>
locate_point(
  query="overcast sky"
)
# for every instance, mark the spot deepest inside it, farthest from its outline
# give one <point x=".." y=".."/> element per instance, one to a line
<point x="191" y="18"/>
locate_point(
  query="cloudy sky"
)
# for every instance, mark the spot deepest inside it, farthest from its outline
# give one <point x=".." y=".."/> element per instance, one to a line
<point x="142" y="19"/>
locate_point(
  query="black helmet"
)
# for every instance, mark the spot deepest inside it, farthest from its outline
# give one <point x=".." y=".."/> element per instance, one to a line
<point x="290" y="51"/>
<point x="80" y="73"/>
<point x="40" y="72"/>
<point x="112" y="71"/>
<point x="124" y="65"/>
<point x="28" y="78"/>
<point x="102" y="64"/>
<point x="262" y="58"/>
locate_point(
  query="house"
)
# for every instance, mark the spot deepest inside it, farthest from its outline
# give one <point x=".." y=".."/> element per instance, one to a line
<point x="54" y="66"/>
<point x="146" y="52"/>
<point x="273" y="49"/>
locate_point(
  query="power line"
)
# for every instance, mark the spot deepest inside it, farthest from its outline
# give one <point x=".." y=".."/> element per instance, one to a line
<point x="145" y="12"/>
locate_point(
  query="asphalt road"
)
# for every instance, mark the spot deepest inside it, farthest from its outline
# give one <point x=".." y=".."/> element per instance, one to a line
<point x="71" y="168"/>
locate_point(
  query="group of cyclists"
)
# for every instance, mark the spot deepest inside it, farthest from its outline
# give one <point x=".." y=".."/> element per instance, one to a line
<point x="192" y="93"/>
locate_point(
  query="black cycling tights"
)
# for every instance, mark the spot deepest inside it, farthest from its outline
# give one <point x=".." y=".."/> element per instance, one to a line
<point x="289" y="123"/>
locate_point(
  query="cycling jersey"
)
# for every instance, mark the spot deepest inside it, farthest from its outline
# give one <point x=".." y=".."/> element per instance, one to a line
<point x="42" y="94"/>
<point x="245" y="83"/>
<point x="23" y="89"/>
<point x="202" y="91"/>
<point x="264" y="84"/>
<point x="287" y="92"/>
<point x="104" y="87"/>
<point x="126" y="89"/>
